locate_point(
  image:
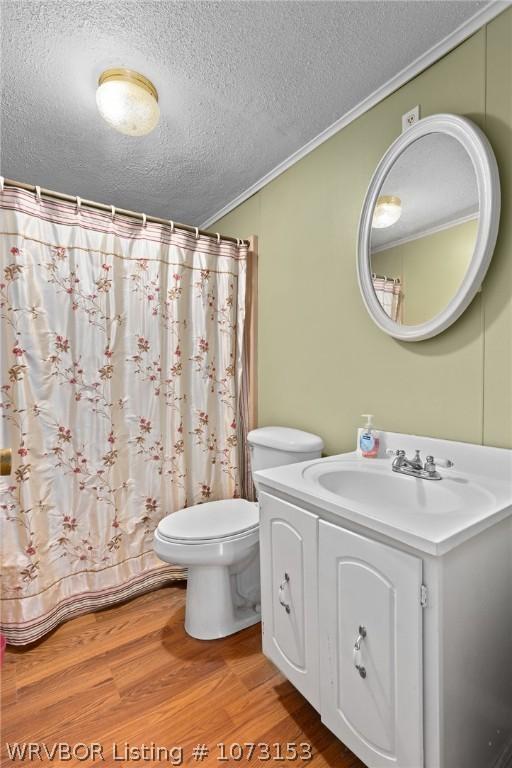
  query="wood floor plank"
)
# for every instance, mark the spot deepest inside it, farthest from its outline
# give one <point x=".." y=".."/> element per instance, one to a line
<point x="57" y="687"/>
<point x="164" y="684"/>
<point x="131" y="674"/>
<point x="60" y="721"/>
<point x="9" y="684"/>
<point x="102" y="633"/>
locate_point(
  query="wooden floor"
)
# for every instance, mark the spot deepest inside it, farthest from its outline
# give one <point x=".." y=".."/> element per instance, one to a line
<point x="132" y="674"/>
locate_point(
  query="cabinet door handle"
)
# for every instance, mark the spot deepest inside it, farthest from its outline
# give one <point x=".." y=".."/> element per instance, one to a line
<point x="357" y="648"/>
<point x="283" y="584"/>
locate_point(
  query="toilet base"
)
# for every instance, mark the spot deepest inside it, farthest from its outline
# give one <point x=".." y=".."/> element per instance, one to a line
<point x="214" y="606"/>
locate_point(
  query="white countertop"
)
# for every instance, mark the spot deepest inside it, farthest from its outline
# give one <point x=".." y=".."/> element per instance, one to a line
<point x="433" y="516"/>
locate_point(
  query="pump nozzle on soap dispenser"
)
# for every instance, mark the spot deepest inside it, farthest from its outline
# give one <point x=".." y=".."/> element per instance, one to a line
<point x="369" y="440"/>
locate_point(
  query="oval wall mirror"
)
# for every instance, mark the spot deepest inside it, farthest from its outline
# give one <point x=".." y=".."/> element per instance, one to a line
<point x="428" y="227"/>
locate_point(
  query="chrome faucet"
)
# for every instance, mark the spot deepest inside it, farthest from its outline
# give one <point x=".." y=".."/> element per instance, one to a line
<point x="415" y="467"/>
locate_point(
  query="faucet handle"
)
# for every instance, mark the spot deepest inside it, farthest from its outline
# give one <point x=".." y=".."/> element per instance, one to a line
<point x="446" y="463"/>
<point x="431" y="463"/>
<point x="398" y="458"/>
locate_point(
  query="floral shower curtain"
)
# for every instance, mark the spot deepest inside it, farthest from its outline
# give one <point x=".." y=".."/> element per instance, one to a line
<point x="389" y="294"/>
<point x="122" y="398"/>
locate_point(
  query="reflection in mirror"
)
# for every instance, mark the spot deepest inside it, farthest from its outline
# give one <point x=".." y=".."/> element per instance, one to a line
<point x="424" y="229"/>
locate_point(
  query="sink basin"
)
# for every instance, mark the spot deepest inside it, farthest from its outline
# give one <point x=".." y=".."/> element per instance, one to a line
<point x="380" y="488"/>
<point x="433" y="516"/>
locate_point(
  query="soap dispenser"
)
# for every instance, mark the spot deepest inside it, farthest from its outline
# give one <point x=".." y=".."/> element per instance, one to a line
<point x="369" y="440"/>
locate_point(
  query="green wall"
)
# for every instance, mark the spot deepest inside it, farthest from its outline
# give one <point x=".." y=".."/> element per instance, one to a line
<point x="430" y="268"/>
<point x="322" y="361"/>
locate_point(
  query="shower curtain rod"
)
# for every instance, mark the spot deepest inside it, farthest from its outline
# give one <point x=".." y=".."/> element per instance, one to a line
<point x="122" y="211"/>
<point x="387" y="279"/>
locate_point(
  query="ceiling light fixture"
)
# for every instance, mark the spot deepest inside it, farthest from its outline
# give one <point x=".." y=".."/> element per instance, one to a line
<point x="387" y="211"/>
<point x="128" y="101"/>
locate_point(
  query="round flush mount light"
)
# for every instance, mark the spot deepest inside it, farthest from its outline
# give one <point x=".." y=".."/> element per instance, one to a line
<point x="387" y="211"/>
<point x="128" y="101"/>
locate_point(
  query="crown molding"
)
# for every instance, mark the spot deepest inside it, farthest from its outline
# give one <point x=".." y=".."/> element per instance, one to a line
<point x="433" y="230"/>
<point x="437" y="51"/>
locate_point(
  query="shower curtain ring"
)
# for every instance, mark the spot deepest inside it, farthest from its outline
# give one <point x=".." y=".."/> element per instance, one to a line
<point x="197" y="233"/>
<point x="78" y="205"/>
<point x="172" y="225"/>
<point x="2" y="182"/>
<point x="38" y="194"/>
<point x="144" y="222"/>
<point x="218" y="238"/>
<point x="113" y="209"/>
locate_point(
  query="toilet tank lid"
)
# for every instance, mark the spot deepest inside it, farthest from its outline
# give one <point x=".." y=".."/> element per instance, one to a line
<point x="285" y="439"/>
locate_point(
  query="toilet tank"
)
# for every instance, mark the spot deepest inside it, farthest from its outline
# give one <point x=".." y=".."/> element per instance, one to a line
<point x="276" y="446"/>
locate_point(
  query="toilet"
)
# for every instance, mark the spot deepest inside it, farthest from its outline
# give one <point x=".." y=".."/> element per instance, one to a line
<point x="218" y="542"/>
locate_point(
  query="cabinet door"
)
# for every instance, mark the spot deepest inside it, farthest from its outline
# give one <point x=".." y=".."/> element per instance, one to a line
<point x="289" y="592"/>
<point x="370" y="598"/>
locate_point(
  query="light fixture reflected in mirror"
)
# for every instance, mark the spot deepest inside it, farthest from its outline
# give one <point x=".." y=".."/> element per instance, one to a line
<point x="128" y="101"/>
<point x="387" y="211"/>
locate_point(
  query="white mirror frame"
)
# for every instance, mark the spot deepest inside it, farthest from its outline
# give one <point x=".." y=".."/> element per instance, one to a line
<point x="482" y="156"/>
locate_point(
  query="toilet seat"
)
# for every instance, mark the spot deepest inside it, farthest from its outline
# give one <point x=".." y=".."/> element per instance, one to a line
<point x="209" y="523"/>
<point x="218" y="542"/>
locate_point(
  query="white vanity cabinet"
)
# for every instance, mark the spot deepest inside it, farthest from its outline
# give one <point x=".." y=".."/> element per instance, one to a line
<point x="387" y="600"/>
<point x="371" y="647"/>
<point x="325" y="589"/>
<point x="289" y="587"/>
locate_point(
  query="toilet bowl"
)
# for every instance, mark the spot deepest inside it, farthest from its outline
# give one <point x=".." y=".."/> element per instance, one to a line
<point x="218" y="542"/>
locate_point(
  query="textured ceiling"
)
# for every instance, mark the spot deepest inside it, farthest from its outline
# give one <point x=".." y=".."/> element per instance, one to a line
<point x="242" y="85"/>
<point x="436" y="182"/>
